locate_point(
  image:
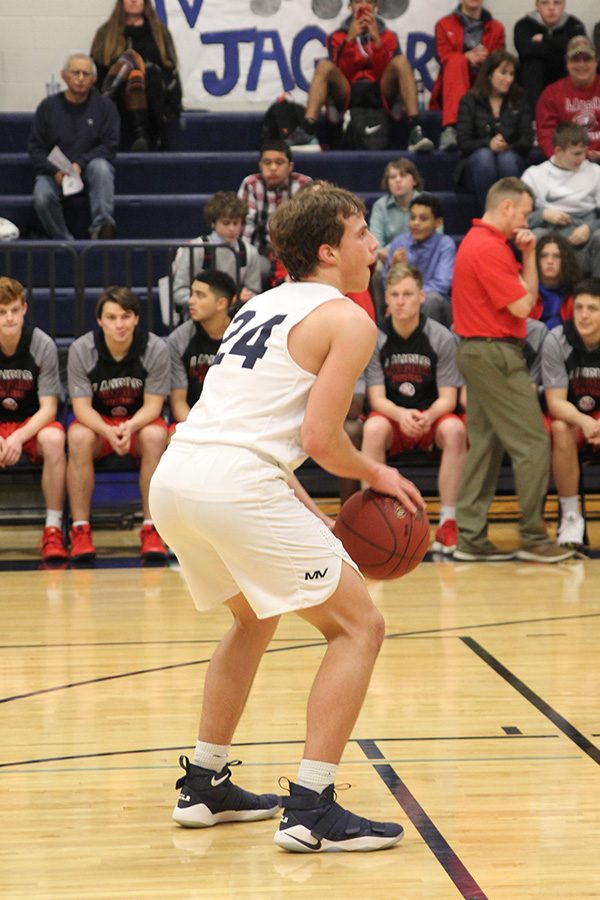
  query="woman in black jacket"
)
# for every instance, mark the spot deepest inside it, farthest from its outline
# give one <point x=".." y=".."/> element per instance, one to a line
<point x="494" y="128"/>
<point x="137" y="66"/>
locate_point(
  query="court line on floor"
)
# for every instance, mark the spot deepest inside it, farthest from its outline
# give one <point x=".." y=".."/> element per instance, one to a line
<point x="300" y="741"/>
<point x="303" y="646"/>
<point x="423" y="632"/>
<point x="439" y="846"/>
<point x="569" y="730"/>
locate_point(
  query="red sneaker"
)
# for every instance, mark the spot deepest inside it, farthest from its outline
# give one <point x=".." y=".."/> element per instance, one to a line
<point x="152" y="546"/>
<point x="53" y="546"/>
<point x="445" y="538"/>
<point x="81" y="543"/>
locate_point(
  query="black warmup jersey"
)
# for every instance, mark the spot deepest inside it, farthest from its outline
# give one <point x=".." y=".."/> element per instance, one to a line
<point x="117" y="388"/>
<point x="568" y="363"/>
<point x="412" y="369"/>
<point x="192" y="353"/>
<point x="31" y="372"/>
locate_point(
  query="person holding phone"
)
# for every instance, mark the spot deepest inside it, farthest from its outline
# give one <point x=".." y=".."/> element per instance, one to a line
<point x="362" y="54"/>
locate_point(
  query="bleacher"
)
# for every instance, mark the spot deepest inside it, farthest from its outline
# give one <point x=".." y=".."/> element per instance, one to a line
<point x="159" y="203"/>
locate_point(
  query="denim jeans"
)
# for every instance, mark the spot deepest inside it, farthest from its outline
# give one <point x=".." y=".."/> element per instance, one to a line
<point x="484" y="168"/>
<point x="99" y="179"/>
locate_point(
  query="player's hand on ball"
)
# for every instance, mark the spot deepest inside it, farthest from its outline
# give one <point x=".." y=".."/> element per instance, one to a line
<point x="389" y="481"/>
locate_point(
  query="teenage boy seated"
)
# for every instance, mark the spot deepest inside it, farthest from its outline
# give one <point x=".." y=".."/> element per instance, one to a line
<point x="412" y="389"/>
<point x="363" y="53"/>
<point x="225" y="214"/>
<point x="428" y="251"/>
<point x="566" y="193"/>
<point x="571" y="377"/>
<point x="29" y="391"/>
<point x="194" y="345"/>
<point x="118" y="381"/>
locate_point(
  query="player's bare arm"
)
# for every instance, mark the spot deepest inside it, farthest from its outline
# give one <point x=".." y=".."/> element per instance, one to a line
<point x="346" y="338"/>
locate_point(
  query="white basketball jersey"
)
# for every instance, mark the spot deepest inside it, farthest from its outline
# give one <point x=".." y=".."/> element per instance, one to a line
<point x="254" y="394"/>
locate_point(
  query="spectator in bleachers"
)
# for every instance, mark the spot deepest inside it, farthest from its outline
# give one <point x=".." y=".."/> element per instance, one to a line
<point x="194" y="345"/>
<point x="575" y="98"/>
<point x="463" y="41"/>
<point x="492" y="296"/>
<point x="401" y="182"/>
<point x="262" y="193"/>
<point x="85" y="126"/>
<point x="137" y="67"/>
<point x="365" y="66"/>
<point x="596" y="38"/>
<point x="566" y="193"/>
<point x="571" y="373"/>
<point x="541" y="39"/>
<point x="119" y="379"/>
<point x="412" y="388"/>
<point x="494" y="129"/>
<point x="29" y="392"/>
<point x="225" y="214"/>
<point x="430" y="252"/>
<point x="558" y="273"/>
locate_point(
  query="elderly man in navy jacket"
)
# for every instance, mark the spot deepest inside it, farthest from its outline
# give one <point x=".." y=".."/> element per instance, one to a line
<point x="85" y="126"/>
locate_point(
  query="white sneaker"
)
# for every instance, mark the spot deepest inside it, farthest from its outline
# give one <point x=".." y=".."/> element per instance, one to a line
<point x="571" y="530"/>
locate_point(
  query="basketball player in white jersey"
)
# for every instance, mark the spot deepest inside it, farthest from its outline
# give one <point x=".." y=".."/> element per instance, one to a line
<point x="224" y="498"/>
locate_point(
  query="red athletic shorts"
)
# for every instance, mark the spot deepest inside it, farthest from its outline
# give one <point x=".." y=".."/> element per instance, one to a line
<point x="106" y="449"/>
<point x="29" y="447"/>
<point x="402" y="443"/>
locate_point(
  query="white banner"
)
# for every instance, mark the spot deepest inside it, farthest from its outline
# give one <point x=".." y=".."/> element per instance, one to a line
<point x="245" y="53"/>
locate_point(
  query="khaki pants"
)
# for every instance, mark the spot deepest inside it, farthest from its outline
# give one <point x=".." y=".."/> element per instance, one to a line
<point x="503" y="415"/>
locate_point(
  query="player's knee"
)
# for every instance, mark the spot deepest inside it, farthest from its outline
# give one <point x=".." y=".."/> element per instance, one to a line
<point x="152" y="439"/>
<point x="375" y="629"/>
<point x="81" y="440"/>
<point x="51" y="442"/>
<point x="563" y="436"/>
<point x="375" y="431"/>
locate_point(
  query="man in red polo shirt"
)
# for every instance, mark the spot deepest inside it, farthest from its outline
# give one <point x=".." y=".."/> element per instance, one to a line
<point x="491" y="298"/>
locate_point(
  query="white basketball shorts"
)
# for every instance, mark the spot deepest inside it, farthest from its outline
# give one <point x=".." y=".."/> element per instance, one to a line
<point x="235" y="525"/>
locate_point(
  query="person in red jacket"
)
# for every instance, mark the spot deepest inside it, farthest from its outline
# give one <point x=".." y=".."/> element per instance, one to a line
<point x="463" y="40"/>
<point x="575" y="98"/>
<point x="362" y="52"/>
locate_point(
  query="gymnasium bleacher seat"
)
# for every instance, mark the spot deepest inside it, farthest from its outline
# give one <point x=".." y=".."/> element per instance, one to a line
<point x="161" y="196"/>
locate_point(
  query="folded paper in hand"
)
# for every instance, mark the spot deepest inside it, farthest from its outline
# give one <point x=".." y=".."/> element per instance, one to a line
<point x="71" y="183"/>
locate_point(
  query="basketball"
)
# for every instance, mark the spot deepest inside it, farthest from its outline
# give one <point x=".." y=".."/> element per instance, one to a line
<point x="382" y="537"/>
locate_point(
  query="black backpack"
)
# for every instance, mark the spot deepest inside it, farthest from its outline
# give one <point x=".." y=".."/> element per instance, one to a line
<point x="368" y="127"/>
<point x="281" y="118"/>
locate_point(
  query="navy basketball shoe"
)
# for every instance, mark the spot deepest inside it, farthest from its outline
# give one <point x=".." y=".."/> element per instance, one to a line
<point x="315" y="823"/>
<point x="209" y="798"/>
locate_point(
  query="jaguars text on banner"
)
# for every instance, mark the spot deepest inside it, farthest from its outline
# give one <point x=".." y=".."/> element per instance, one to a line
<point x="247" y="52"/>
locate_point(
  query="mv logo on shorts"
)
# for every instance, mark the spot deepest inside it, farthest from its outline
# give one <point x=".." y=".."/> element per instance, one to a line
<point x="311" y="576"/>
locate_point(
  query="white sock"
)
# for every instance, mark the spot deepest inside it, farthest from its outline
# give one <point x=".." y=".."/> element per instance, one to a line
<point x="54" y="518"/>
<point x="211" y="756"/>
<point x="147" y="522"/>
<point x="316" y="775"/>
<point x="569" y="505"/>
<point x="447" y="512"/>
<point x="81" y="522"/>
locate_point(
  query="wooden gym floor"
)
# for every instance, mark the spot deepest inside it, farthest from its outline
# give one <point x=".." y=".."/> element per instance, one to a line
<point x="480" y="733"/>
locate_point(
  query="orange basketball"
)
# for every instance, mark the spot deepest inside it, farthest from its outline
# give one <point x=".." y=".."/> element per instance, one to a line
<point x="382" y="537"/>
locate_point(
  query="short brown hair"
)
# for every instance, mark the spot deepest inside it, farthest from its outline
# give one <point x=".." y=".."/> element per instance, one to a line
<point x="509" y="188"/>
<point x="568" y="134"/>
<point x="225" y="205"/>
<point x="406" y="167"/>
<point x="11" y="290"/>
<point x="314" y="216"/>
<point x="400" y="271"/>
<point x="122" y="295"/>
